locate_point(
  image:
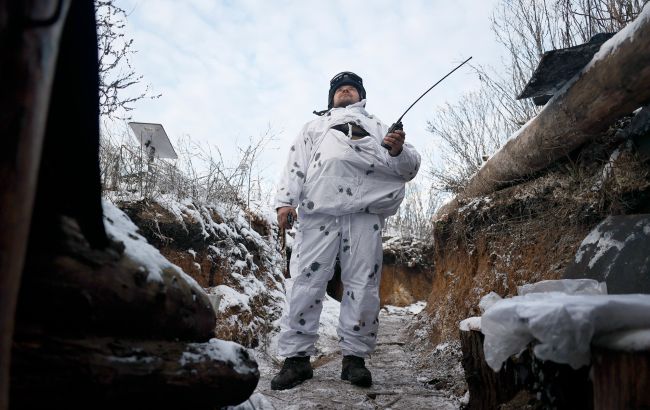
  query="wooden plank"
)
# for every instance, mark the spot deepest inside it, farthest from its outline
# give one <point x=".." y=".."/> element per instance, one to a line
<point x="27" y="71"/>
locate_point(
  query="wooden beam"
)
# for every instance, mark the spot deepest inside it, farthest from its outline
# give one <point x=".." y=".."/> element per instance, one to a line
<point x="112" y="373"/>
<point x="71" y="288"/>
<point x="610" y="87"/>
<point x="29" y="47"/>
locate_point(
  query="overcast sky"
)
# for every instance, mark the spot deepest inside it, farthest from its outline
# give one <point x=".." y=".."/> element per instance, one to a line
<point x="228" y="70"/>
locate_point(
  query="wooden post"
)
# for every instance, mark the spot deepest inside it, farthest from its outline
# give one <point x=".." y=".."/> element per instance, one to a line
<point x="621" y="379"/>
<point x="29" y="47"/>
<point x="522" y="377"/>
<point x="487" y="388"/>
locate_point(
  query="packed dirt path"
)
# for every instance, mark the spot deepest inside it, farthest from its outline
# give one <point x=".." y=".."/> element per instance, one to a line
<point x="397" y="382"/>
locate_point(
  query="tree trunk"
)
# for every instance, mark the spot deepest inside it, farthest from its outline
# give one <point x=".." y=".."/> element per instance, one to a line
<point x="110" y="373"/>
<point x="614" y="86"/>
<point x="621" y="379"/>
<point x="28" y="47"/>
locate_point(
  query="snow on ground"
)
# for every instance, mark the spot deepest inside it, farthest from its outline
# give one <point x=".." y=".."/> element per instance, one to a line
<point x="402" y="377"/>
<point x="410" y="251"/>
<point x="475" y="204"/>
<point x="254" y="280"/>
<point x="120" y="227"/>
<point x="413" y="309"/>
<point x="218" y="350"/>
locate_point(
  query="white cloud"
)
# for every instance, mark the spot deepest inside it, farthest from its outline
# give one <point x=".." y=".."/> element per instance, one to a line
<point x="227" y="69"/>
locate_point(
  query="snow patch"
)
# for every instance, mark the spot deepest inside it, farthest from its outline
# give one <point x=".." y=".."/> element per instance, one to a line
<point x="413" y="309"/>
<point x="121" y="228"/>
<point x="134" y="359"/>
<point x="217" y="350"/>
<point x="628" y="33"/>
<point x="607" y="170"/>
<point x="229" y="298"/>
<point x="257" y="401"/>
<point x="627" y="340"/>
<point x="603" y="241"/>
<point x="471" y="323"/>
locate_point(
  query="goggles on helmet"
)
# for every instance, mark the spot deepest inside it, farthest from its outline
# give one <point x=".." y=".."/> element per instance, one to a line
<point x="345" y="75"/>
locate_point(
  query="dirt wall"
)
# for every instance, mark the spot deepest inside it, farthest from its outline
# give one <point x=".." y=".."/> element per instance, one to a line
<point x="531" y="231"/>
<point x="402" y="285"/>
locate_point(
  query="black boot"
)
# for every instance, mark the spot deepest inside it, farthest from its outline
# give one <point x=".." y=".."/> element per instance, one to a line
<point x="354" y="370"/>
<point x="295" y="370"/>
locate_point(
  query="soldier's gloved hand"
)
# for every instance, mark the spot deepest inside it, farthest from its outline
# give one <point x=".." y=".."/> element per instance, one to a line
<point x="396" y="140"/>
<point x="283" y="213"/>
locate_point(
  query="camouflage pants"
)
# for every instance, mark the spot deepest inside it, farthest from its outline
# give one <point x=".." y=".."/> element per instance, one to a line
<point x="356" y="238"/>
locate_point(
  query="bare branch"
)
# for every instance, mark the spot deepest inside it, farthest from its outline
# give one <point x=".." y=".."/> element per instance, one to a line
<point x="116" y="74"/>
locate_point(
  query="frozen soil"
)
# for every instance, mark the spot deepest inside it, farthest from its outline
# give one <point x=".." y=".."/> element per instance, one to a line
<point x="406" y="375"/>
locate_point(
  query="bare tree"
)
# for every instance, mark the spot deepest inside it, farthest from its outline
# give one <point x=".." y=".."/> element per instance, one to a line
<point x="413" y="219"/>
<point x="469" y="131"/>
<point x="476" y="126"/>
<point x="529" y="28"/>
<point x="116" y="74"/>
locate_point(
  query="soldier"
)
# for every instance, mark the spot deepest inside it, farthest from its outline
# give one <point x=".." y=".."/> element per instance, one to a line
<point x="343" y="184"/>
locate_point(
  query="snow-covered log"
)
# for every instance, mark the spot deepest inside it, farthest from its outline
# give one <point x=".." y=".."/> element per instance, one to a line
<point x="613" y="84"/>
<point x="72" y="287"/>
<point x="110" y="373"/>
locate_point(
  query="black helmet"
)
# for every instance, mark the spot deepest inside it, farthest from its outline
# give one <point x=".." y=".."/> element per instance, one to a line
<point x="345" y="78"/>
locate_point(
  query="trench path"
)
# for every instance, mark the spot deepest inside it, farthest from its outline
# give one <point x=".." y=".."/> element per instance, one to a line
<point x="395" y="379"/>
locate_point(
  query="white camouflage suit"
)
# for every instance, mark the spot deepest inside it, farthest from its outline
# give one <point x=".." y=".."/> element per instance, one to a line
<point x="344" y="189"/>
